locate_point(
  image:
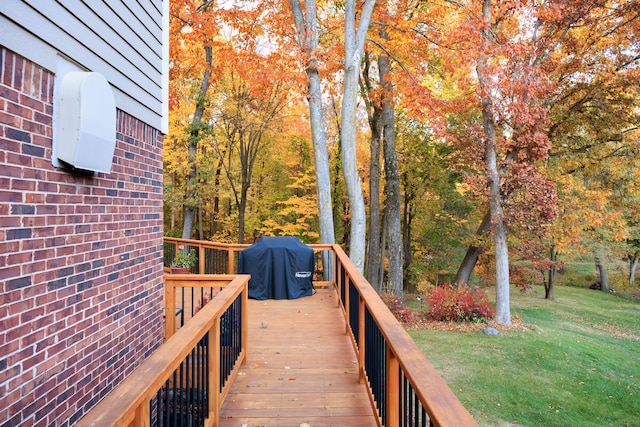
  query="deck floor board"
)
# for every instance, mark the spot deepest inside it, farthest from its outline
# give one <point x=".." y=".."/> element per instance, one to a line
<point x="301" y="368"/>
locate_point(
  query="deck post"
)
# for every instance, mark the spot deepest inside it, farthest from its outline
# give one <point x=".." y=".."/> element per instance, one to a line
<point x="214" y="372"/>
<point x="143" y="415"/>
<point x="170" y="308"/>
<point x="393" y="389"/>
<point x="201" y="259"/>
<point x="230" y="261"/>
<point x="245" y="322"/>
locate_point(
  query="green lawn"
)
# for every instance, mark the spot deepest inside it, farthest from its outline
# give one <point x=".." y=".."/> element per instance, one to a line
<point x="577" y="364"/>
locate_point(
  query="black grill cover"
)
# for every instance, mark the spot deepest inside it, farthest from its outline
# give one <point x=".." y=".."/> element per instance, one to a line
<point x="280" y="268"/>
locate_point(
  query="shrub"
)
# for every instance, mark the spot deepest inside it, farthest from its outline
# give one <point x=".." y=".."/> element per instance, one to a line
<point x="397" y="307"/>
<point x="185" y="258"/>
<point x="464" y="304"/>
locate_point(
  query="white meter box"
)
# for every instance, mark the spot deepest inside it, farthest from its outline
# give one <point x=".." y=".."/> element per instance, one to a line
<point x="85" y="115"/>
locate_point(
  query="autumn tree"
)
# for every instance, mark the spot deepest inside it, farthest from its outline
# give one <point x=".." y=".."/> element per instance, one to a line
<point x="307" y="30"/>
<point x="490" y="89"/>
<point x="498" y="225"/>
<point x="392" y="179"/>
<point x="354" y="39"/>
<point x="296" y="215"/>
<point x="594" y="130"/>
<point x="435" y="212"/>
<point x="245" y="121"/>
<point x="523" y="44"/>
<point x="380" y="106"/>
<point x="501" y="147"/>
<point x="563" y="35"/>
<point x="192" y="32"/>
<point x="374" y="115"/>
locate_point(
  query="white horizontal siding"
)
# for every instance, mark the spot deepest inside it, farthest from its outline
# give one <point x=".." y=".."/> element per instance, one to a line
<point x="121" y="39"/>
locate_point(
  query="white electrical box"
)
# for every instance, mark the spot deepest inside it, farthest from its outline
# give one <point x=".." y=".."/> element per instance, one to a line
<point x="85" y="115"/>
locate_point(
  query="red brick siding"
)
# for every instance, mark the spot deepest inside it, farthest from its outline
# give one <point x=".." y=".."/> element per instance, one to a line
<point x="81" y="291"/>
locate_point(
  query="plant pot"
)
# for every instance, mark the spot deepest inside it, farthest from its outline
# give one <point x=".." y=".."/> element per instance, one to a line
<point x="180" y="270"/>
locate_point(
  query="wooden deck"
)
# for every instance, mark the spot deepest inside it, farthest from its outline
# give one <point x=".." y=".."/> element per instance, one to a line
<point x="301" y="368"/>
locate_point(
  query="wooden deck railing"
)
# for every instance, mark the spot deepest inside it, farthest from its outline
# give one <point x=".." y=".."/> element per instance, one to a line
<point x="222" y="258"/>
<point x="212" y="257"/>
<point x="186" y="380"/>
<point x="404" y="389"/>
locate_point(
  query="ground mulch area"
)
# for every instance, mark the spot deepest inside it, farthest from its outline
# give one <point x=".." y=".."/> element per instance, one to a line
<point x="423" y="321"/>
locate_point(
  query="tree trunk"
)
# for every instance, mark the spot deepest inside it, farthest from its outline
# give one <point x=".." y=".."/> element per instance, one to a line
<point x="337" y="198"/>
<point x="248" y="156"/>
<point x="502" y="311"/>
<point x="383" y="248"/>
<point x="323" y="177"/>
<point x="550" y="284"/>
<point x="473" y="252"/>
<point x="605" y="286"/>
<point x="173" y="207"/>
<point x="349" y="162"/>
<point x="354" y="45"/>
<point x="190" y="199"/>
<point x="407" y="219"/>
<point x="242" y="208"/>
<point x="373" y="242"/>
<point x="247" y="136"/>
<point x="216" y="197"/>
<point x="392" y="180"/>
<point x="307" y="27"/>
<point x="190" y="205"/>
<point x="633" y="266"/>
<point x="374" y="114"/>
<point x="200" y="223"/>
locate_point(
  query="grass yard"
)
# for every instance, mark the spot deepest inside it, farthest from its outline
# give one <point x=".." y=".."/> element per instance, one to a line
<point x="577" y="363"/>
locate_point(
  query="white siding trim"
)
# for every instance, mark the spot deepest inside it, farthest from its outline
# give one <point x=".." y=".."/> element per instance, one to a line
<point x="164" y="128"/>
<point x="122" y="41"/>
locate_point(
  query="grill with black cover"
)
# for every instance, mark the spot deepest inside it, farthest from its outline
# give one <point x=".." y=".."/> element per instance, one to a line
<point x="281" y="267"/>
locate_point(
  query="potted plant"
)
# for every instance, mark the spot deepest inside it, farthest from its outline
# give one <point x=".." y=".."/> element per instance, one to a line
<point x="184" y="260"/>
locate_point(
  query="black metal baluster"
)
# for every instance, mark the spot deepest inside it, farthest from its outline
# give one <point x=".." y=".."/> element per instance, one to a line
<point x="403" y="400"/>
<point x="155" y="403"/>
<point x="190" y="383"/>
<point x="182" y="308"/>
<point x="193" y="305"/>
<point x="412" y="409"/>
<point x="197" y="384"/>
<point x="164" y="413"/>
<point x="354" y="308"/>
<point x="205" y="389"/>
<point x="175" y="398"/>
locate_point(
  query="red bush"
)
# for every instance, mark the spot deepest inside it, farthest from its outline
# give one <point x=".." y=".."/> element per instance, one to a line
<point x="464" y="304"/>
<point x="397" y="307"/>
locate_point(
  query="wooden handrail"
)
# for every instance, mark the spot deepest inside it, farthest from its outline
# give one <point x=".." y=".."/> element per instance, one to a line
<point x="128" y="404"/>
<point x="403" y="358"/>
<point x="441" y="405"/>
<point x="177" y="281"/>
<point x="232" y="249"/>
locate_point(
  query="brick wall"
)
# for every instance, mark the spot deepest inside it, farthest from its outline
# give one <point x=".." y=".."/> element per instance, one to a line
<point x="81" y="288"/>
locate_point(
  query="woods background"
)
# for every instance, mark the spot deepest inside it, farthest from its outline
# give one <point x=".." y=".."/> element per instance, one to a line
<point x="499" y="138"/>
